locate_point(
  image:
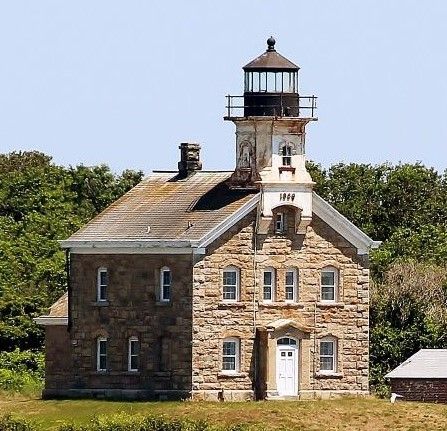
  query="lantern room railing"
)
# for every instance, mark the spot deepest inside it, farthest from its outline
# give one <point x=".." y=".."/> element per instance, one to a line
<point x="271" y="104"/>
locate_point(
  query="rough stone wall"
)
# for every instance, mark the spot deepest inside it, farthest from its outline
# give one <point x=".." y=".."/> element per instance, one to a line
<point x="430" y="390"/>
<point x="347" y="319"/>
<point x="58" y="360"/>
<point x="163" y="329"/>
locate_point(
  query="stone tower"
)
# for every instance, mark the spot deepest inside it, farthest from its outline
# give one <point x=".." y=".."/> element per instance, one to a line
<point x="270" y="138"/>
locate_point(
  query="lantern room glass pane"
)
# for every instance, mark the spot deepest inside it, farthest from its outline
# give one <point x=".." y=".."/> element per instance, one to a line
<point x="271" y="82"/>
<point x="279" y="82"/>
<point x="255" y="81"/>
<point x="287" y="82"/>
<point x="262" y="81"/>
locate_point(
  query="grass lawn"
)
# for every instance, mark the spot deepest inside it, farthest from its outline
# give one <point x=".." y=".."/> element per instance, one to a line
<point x="342" y="414"/>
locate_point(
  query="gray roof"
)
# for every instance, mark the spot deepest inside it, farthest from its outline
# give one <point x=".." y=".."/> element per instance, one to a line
<point x="271" y="60"/>
<point x="425" y="364"/>
<point x="162" y="207"/>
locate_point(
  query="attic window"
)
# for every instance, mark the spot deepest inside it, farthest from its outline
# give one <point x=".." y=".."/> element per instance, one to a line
<point x="286" y="153"/>
<point x="279" y="223"/>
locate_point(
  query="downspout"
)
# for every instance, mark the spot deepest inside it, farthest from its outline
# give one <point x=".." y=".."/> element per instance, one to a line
<point x="69" y="292"/>
<point x="256" y="350"/>
<point x="315" y="344"/>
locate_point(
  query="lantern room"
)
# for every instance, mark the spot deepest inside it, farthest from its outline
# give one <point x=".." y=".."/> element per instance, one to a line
<point x="270" y="88"/>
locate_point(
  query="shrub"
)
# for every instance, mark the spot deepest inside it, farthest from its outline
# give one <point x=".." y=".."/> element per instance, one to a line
<point x="21" y="371"/>
<point x="12" y="423"/>
<point x="125" y="422"/>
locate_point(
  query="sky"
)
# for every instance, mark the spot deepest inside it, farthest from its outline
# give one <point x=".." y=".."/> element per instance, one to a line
<point x="125" y="82"/>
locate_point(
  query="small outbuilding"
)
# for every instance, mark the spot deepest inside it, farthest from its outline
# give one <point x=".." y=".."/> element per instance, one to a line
<point x="422" y="377"/>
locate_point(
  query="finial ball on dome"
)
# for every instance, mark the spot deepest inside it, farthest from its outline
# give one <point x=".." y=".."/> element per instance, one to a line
<point x="271" y="43"/>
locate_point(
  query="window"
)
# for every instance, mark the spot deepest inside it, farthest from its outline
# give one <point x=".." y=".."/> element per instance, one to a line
<point x="269" y="285"/>
<point x="286" y="341"/>
<point x="279" y="223"/>
<point x="286" y="153"/>
<point x="134" y="351"/>
<point x="290" y="285"/>
<point x="230" y="355"/>
<point x="165" y="284"/>
<point x="101" y="354"/>
<point x="328" y="355"/>
<point x="102" y="283"/>
<point x="230" y="283"/>
<point x="329" y="281"/>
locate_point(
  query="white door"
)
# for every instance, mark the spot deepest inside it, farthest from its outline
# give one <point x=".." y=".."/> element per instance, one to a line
<point x="287" y="370"/>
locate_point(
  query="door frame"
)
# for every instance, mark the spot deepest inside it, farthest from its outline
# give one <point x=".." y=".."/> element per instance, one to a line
<point x="288" y="347"/>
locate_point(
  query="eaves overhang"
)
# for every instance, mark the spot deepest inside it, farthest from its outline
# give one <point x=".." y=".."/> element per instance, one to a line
<point x="343" y="226"/>
<point x="131" y="246"/>
<point x="51" y="321"/>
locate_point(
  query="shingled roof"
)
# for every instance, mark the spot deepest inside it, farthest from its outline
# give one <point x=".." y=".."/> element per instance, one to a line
<point x="164" y="208"/>
<point x="425" y="364"/>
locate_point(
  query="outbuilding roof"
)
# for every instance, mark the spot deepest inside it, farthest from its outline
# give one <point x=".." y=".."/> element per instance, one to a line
<point x="425" y="364"/>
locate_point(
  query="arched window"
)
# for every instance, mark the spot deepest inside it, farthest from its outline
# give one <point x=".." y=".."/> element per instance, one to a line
<point x="291" y="283"/>
<point x="269" y="285"/>
<point x="245" y="154"/>
<point x="165" y="284"/>
<point x="230" y="284"/>
<point x="328" y="355"/>
<point x="133" y="354"/>
<point x="279" y="222"/>
<point x="329" y="284"/>
<point x="102" y="282"/>
<point x="286" y="153"/>
<point x="286" y="341"/>
<point x="101" y="354"/>
<point x="231" y="355"/>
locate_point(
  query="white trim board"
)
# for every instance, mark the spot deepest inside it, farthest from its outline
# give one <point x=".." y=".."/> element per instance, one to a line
<point x="230" y="221"/>
<point x="342" y="225"/>
<point x="320" y="208"/>
<point x="51" y="321"/>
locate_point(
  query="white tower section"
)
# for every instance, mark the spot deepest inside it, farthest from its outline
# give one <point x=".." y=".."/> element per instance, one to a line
<point x="274" y="150"/>
<point x="270" y="138"/>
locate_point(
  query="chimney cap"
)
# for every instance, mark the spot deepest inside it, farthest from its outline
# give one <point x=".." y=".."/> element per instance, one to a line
<point x="189" y="159"/>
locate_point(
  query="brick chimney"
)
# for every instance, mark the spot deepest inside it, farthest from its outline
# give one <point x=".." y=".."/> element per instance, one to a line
<point x="189" y="159"/>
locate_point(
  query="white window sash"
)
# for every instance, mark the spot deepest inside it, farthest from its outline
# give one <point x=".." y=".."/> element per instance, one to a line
<point x="100" y="355"/>
<point x="165" y="287"/>
<point x="332" y="357"/>
<point x="329" y="288"/>
<point x="101" y="288"/>
<point x="133" y="342"/>
<point x="230" y="292"/>
<point x="233" y="358"/>
<point x="279" y="223"/>
<point x="269" y="287"/>
<point x="291" y="287"/>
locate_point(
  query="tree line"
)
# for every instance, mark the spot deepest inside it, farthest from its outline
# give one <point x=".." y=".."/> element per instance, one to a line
<point x="402" y="205"/>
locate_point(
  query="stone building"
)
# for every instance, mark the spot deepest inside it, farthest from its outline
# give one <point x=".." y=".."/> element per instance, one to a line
<point x="219" y="285"/>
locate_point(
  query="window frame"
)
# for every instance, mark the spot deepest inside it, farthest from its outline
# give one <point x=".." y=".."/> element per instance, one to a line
<point x="280" y="222"/>
<point x="101" y="288"/>
<point x="164" y="285"/>
<point x="294" y="285"/>
<point x="100" y="355"/>
<point x="286" y="155"/>
<point x="232" y="269"/>
<point x="335" y="286"/>
<point x="236" y="355"/>
<point x="272" y="285"/>
<point x="130" y="355"/>
<point x="334" y="355"/>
